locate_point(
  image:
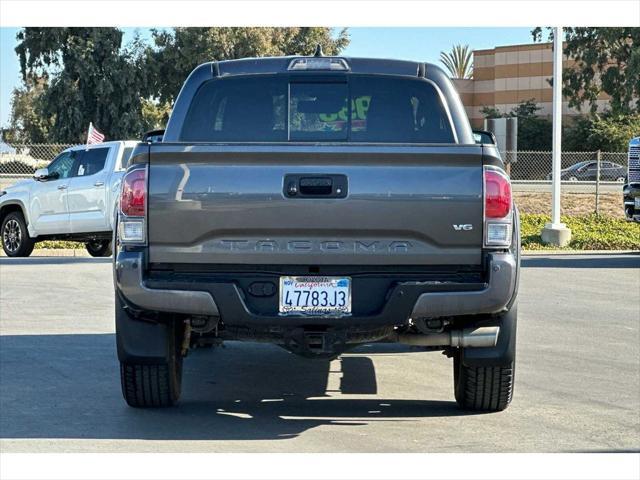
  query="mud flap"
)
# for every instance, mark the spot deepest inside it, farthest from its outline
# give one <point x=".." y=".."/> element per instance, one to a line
<point x="504" y="353"/>
<point x="139" y="341"/>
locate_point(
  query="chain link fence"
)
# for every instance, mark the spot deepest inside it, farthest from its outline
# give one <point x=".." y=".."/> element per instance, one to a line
<point x="19" y="161"/>
<point x="591" y="182"/>
<point x="582" y="172"/>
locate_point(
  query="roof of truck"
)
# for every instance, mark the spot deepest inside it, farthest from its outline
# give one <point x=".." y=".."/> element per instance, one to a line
<point x="355" y="65"/>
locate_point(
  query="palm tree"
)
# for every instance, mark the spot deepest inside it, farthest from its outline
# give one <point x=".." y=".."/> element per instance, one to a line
<point x="458" y="61"/>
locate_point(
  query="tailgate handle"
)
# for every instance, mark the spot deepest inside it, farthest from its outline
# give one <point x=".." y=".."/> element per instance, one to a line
<point x="316" y="185"/>
<point x="310" y="185"/>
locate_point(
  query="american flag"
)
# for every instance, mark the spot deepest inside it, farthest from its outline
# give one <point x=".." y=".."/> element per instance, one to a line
<point x="94" y="136"/>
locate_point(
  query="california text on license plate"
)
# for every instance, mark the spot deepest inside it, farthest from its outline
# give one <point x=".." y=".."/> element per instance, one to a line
<point x="315" y="295"/>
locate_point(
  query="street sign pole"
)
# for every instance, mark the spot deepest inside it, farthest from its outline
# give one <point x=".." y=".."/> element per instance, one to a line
<point x="555" y="232"/>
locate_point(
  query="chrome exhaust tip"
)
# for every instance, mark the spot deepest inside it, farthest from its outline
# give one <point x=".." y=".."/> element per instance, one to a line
<point x="480" y="337"/>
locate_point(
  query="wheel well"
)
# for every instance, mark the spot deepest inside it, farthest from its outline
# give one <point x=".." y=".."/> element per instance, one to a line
<point x="7" y="209"/>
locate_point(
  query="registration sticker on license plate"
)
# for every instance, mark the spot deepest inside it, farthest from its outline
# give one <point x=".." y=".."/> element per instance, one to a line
<point x="315" y="296"/>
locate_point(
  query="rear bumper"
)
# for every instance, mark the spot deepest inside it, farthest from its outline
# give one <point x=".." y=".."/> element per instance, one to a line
<point x="413" y="299"/>
<point x="492" y="299"/>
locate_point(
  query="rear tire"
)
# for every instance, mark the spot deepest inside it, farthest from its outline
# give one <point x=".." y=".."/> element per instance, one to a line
<point x="151" y="385"/>
<point x="99" y="248"/>
<point x="151" y="381"/>
<point x="488" y="389"/>
<point x="484" y="378"/>
<point x="15" y="236"/>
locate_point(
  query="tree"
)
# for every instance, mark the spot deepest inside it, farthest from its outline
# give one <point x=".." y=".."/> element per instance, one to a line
<point x="490" y="112"/>
<point x="606" y="60"/>
<point x="534" y="132"/>
<point x="155" y="115"/>
<point x="458" y="61"/>
<point x="90" y="78"/>
<point x="609" y="133"/>
<point x="176" y="53"/>
<point x="526" y="109"/>
<point x="27" y="124"/>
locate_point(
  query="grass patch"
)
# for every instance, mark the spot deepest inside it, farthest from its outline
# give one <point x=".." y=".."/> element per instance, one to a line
<point x="589" y="232"/>
<point x="60" y="244"/>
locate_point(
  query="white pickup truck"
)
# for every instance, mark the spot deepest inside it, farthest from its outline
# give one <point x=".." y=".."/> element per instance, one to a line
<point x="73" y="198"/>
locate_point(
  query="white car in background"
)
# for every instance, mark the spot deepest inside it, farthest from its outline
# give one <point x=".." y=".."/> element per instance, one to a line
<point x="73" y="198"/>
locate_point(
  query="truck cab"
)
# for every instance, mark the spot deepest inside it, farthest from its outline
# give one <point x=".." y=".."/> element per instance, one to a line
<point x="73" y="198"/>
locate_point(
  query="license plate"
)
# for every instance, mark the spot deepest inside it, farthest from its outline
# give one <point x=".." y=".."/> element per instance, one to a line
<point x="316" y="296"/>
<point x="636" y="202"/>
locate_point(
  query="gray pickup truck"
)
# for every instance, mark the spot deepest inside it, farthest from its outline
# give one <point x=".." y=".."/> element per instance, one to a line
<point x="317" y="203"/>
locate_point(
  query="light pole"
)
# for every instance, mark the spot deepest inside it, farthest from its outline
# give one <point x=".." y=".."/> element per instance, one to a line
<point x="555" y="232"/>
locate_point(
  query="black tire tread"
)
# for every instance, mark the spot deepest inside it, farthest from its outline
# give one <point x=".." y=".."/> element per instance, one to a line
<point x="485" y="388"/>
<point x="28" y="249"/>
<point x="147" y="385"/>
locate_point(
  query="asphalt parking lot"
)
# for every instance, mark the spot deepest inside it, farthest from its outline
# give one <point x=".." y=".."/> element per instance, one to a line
<point x="577" y="381"/>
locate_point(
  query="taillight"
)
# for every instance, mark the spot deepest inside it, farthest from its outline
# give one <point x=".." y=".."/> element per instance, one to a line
<point x="497" y="194"/>
<point x="134" y="193"/>
<point x="497" y="208"/>
<point x="133" y="200"/>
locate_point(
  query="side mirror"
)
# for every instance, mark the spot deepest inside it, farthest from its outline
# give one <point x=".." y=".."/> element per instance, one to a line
<point x="41" y="174"/>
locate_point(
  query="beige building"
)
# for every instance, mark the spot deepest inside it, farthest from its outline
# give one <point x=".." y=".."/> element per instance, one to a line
<point x="506" y="76"/>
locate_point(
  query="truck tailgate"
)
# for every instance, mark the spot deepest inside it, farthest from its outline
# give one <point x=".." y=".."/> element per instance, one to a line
<point x="403" y="205"/>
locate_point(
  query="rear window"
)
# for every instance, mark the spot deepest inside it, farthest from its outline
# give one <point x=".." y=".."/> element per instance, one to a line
<point x="317" y="111"/>
<point x="359" y="108"/>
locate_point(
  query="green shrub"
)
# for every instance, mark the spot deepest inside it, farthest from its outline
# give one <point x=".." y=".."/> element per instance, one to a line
<point x="59" y="244"/>
<point x="606" y="132"/>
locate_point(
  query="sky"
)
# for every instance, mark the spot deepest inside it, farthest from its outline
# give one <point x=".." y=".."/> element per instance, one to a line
<point x="422" y="44"/>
